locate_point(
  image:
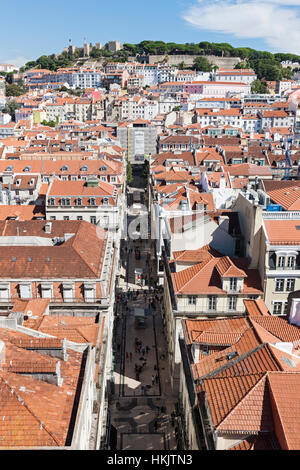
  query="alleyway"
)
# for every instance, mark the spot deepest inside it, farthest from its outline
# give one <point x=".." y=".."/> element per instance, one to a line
<point x="143" y="402"/>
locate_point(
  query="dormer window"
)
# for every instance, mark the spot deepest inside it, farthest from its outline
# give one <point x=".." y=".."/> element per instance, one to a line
<point x="105" y="201"/>
<point x="65" y="168"/>
<point x="233" y="283"/>
<point x="52" y="201"/>
<point x="92" y="201"/>
<point x="27" y="168"/>
<point x="78" y="202"/>
<point x="84" y="168"/>
<point x="18" y="182"/>
<point x="280" y="261"/>
<point x="291" y="262"/>
<point x="103" y="168"/>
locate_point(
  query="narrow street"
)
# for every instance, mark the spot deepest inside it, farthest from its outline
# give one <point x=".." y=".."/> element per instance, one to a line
<point x="143" y="402"/>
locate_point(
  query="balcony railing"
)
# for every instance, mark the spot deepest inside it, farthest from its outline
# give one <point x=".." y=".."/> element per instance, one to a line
<point x="290" y="215"/>
<point x="77" y="300"/>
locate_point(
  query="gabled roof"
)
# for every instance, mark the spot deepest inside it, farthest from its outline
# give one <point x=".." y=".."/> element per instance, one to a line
<point x="205" y="278"/>
<point x="226" y="268"/>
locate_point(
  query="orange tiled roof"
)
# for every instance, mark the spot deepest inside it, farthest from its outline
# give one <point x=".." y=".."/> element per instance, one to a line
<point x="282" y="232"/>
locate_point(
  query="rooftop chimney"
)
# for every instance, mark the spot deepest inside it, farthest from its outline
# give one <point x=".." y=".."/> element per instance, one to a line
<point x="48" y="227"/>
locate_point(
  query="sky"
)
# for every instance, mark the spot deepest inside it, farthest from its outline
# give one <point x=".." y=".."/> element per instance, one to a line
<point x="32" y="28"/>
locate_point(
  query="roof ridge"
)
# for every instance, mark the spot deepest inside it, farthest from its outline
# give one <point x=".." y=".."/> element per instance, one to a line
<point x="228" y="365"/>
<point x="263" y="377"/>
<point x="196" y="268"/>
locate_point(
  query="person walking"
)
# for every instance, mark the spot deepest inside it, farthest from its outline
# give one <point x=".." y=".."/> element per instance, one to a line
<point x="153" y="379"/>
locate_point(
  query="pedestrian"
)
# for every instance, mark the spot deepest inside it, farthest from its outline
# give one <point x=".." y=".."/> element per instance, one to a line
<point x="147" y="349"/>
<point x="143" y="351"/>
<point x="130" y="356"/>
<point x="156" y="378"/>
<point x="153" y="379"/>
<point x="155" y="367"/>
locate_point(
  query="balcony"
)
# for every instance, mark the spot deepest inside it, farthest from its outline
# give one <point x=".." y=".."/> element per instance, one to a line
<point x="57" y="300"/>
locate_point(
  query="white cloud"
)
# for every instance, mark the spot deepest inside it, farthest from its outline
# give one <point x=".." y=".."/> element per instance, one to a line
<point x="277" y="22"/>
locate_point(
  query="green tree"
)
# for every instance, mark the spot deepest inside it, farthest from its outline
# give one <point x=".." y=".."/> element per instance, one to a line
<point x="202" y="64"/>
<point x="146" y="169"/>
<point x="242" y="65"/>
<point x="49" y="123"/>
<point x="259" y="86"/>
<point x="129" y="174"/>
<point x="14" y="89"/>
<point x="10" y="108"/>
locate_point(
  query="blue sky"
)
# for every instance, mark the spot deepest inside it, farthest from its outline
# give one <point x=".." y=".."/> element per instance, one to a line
<point x="33" y="27"/>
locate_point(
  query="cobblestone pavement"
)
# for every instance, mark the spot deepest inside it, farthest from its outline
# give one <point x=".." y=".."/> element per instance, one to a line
<point x="143" y="401"/>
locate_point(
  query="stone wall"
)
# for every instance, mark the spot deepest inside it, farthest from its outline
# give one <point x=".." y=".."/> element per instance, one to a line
<point x="221" y="62"/>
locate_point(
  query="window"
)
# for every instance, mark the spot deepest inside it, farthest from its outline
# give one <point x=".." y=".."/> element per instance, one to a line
<point x="291" y="262"/>
<point x="279" y="285"/>
<point x="93" y="220"/>
<point x="52" y="217"/>
<point x="212" y="302"/>
<point x="232" y="301"/>
<point x="192" y="299"/>
<point x="233" y="284"/>
<point x="277" y="308"/>
<point x="205" y="350"/>
<point x="285" y="308"/>
<point x="92" y="201"/>
<point x="290" y="285"/>
<point x="78" y="202"/>
<point x="66" y="217"/>
<point x="280" y="263"/>
<point x="79" y="217"/>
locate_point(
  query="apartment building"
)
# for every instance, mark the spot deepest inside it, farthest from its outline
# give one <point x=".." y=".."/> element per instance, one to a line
<point x="229" y="368"/>
<point x="246" y="76"/>
<point x="40" y="381"/>
<point x="138" y="138"/>
<point x="207" y="285"/>
<point x="64" y="261"/>
<point x="280" y="264"/>
<point x="91" y="200"/>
